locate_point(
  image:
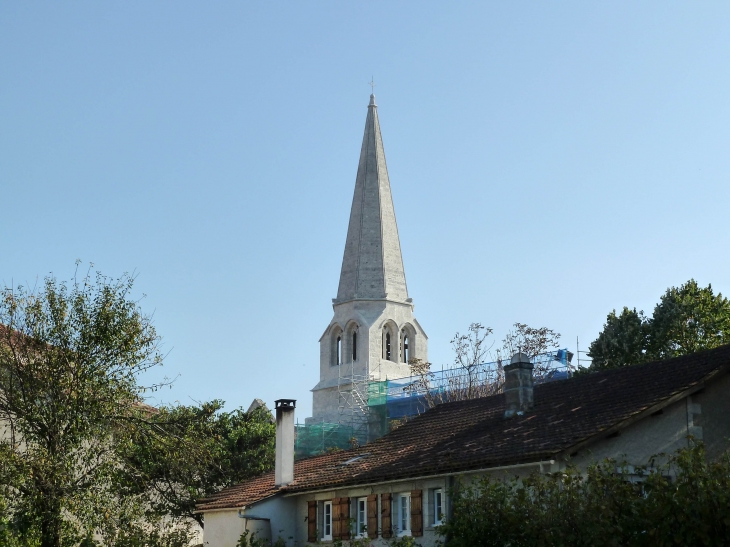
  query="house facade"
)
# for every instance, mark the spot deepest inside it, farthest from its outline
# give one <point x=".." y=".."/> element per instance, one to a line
<point x="400" y="484"/>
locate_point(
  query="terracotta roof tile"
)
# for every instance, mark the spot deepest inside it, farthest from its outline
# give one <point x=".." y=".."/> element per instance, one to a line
<point x="473" y="434"/>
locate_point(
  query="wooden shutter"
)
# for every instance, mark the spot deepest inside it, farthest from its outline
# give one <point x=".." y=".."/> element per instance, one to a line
<point x="387" y="531"/>
<point x="416" y="513"/>
<point x="336" y="525"/>
<point x="373" y="516"/>
<point x="312" y="521"/>
<point x="344" y="511"/>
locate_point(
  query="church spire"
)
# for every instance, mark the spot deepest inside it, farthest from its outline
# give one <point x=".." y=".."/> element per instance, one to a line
<point x="372" y="266"/>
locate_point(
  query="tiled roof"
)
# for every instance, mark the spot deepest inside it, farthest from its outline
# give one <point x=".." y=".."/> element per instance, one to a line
<point x="473" y="434"/>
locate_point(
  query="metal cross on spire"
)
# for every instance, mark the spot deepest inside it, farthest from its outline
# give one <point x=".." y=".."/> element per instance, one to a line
<point x="372" y="85"/>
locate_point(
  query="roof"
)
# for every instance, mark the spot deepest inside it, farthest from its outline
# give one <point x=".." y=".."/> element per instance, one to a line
<point x="469" y="435"/>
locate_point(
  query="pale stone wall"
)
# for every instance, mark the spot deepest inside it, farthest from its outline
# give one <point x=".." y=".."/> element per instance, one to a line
<point x="223" y="528"/>
<point x="370" y="316"/>
<point x="665" y="432"/>
<point x="710" y="416"/>
<point x="269" y="519"/>
<point x="702" y="415"/>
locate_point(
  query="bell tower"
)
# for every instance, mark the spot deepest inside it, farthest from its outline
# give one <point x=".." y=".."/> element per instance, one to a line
<point x="373" y="333"/>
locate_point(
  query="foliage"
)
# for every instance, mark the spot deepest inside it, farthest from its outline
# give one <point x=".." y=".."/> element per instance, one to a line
<point x="623" y="340"/>
<point x="686" y="319"/>
<point x="200" y="451"/>
<point x="247" y="539"/>
<point x="600" y="508"/>
<point x="403" y="541"/>
<point x="529" y="340"/>
<point x="81" y="456"/>
<point x="69" y="360"/>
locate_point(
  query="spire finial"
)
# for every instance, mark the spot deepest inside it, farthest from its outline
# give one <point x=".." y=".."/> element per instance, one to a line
<point x="372" y="85"/>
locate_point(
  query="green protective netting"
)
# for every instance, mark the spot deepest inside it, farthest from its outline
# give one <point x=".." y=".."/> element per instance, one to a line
<point x="377" y="393"/>
<point x="315" y="439"/>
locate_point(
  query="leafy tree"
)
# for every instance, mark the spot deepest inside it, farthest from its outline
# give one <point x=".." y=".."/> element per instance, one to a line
<point x="689" y="319"/>
<point x="623" y="340"/>
<point x="70" y="355"/>
<point x="686" y="319"/>
<point x="201" y="451"/>
<point x="81" y="455"/>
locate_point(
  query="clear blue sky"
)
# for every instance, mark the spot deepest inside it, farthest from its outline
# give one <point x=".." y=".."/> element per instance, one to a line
<point x="549" y="161"/>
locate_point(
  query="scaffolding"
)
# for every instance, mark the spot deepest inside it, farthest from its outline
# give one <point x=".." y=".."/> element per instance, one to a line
<point x="352" y="395"/>
<point x="369" y="408"/>
<point x="315" y="439"/>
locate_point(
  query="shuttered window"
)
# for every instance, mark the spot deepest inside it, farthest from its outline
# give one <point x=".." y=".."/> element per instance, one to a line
<point x="373" y="516"/>
<point x="312" y="521"/>
<point x="361" y="517"/>
<point x="416" y="513"/>
<point x="404" y="514"/>
<point x="336" y="524"/>
<point x="385" y="519"/>
<point x="341" y="520"/>
<point x="438" y="506"/>
<point x="327" y="521"/>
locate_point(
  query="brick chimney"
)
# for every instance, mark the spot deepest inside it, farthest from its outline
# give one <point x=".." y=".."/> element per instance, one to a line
<point x="518" y="384"/>
<point x="284" y="466"/>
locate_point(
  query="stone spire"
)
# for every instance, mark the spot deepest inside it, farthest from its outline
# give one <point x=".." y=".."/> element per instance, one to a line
<point x="372" y="266"/>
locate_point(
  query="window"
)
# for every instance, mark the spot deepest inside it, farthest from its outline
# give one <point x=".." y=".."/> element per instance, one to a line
<point x="327" y="525"/>
<point x="339" y="350"/>
<point x="362" y="518"/>
<point x="438" y="506"/>
<point x="406" y="351"/>
<point x="386" y="349"/>
<point x="404" y="515"/>
<point x="354" y="345"/>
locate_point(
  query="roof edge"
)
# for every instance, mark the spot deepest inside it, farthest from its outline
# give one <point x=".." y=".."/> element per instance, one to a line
<point x="620" y="426"/>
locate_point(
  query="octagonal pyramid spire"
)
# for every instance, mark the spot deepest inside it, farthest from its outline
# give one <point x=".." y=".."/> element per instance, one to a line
<point x="372" y="266"/>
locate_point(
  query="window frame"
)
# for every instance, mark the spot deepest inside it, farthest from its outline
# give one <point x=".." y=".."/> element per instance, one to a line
<point x="361" y="526"/>
<point x="438" y="506"/>
<point x="405" y="496"/>
<point x="353" y="341"/>
<point x="325" y="536"/>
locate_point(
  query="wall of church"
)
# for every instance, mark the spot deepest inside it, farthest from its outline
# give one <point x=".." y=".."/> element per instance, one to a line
<point x="371" y="320"/>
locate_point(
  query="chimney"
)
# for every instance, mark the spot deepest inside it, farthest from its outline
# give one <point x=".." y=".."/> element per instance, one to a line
<point x="518" y="385"/>
<point x="284" y="467"/>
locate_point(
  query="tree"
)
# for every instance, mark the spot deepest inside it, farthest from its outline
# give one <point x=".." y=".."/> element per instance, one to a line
<point x="530" y="341"/>
<point x="70" y="355"/>
<point x="686" y="319"/>
<point x="81" y="454"/>
<point x="689" y="319"/>
<point x="201" y="451"/>
<point x="623" y="340"/>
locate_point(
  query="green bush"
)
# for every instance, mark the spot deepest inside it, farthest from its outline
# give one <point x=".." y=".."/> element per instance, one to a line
<point x="685" y="501"/>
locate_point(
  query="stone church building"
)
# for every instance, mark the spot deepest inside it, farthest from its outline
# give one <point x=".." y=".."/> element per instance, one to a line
<point x="373" y="333"/>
